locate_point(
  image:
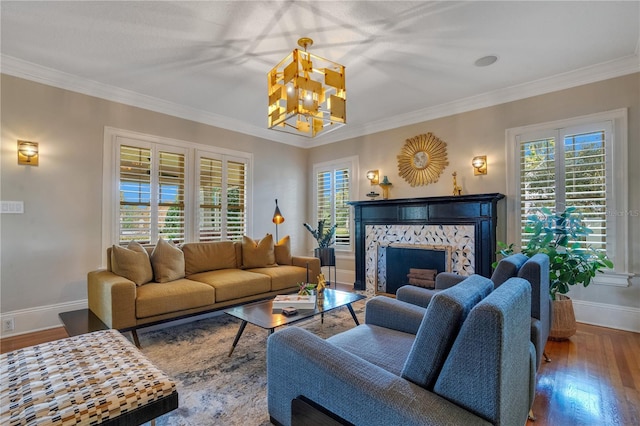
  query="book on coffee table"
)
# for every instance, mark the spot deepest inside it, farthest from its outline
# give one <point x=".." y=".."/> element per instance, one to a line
<point x="294" y="301"/>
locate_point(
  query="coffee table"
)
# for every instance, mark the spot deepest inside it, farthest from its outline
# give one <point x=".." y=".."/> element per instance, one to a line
<point x="262" y="314"/>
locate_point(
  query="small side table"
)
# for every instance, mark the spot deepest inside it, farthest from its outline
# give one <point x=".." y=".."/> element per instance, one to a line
<point x="81" y="321"/>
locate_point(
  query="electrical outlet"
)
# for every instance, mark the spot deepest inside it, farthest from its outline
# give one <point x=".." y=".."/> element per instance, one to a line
<point x="8" y="324"/>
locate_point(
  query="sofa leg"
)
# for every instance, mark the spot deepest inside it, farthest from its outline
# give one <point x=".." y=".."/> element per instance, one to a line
<point x="134" y="334"/>
<point x="546" y="357"/>
<point x="531" y="416"/>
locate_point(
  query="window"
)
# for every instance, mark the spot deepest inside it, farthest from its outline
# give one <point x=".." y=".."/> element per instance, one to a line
<point x="334" y="187"/>
<point x="172" y="189"/>
<point x="566" y="168"/>
<point x="146" y="214"/>
<point x="222" y="198"/>
<point x="572" y="163"/>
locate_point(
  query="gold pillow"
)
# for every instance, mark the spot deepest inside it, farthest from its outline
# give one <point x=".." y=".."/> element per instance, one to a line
<point x="167" y="261"/>
<point x="258" y="254"/>
<point x="209" y="256"/>
<point x="132" y="263"/>
<point x="283" y="251"/>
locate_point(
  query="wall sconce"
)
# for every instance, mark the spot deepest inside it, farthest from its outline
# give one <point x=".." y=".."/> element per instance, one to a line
<point x="277" y="219"/>
<point x="373" y="176"/>
<point x="28" y="153"/>
<point x="479" y="164"/>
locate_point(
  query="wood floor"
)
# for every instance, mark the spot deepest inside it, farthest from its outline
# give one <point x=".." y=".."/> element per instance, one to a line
<point x="592" y="379"/>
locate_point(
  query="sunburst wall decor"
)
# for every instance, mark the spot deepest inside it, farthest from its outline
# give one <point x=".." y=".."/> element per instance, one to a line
<point x="422" y="159"/>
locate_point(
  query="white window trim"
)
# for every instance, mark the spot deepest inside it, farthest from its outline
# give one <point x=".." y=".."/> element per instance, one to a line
<point x="618" y="239"/>
<point x="352" y="163"/>
<point x="110" y="183"/>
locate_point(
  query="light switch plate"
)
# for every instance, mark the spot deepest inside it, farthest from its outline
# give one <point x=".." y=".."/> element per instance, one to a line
<point x="15" y="207"/>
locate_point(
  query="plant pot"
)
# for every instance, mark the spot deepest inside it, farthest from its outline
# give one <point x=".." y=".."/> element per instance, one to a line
<point x="563" y="320"/>
<point x="327" y="256"/>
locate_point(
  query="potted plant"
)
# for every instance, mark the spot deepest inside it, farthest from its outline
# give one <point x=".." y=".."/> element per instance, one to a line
<point x="324" y="235"/>
<point x="562" y="237"/>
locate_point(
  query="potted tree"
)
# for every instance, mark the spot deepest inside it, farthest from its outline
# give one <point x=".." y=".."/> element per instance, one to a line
<point x="562" y="237"/>
<point x="324" y="235"/>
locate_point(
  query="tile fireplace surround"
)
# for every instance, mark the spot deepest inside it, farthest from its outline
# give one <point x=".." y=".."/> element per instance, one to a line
<point x="466" y="223"/>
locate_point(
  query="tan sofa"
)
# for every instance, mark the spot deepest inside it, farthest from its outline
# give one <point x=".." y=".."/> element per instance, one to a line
<point x="143" y="286"/>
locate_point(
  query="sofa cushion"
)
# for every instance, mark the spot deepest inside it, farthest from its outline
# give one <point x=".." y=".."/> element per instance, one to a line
<point x="283" y="251"/>
<point x="283" y="276"/>
<point x="201" y="257"/>
<point x="167" y="261"/>
<point x="132" y="263"/>
<point x="440" y="326"/>
<point x="162" y="298"/>
<point x="384" y="347"/>
<point x="234" y="283"/>
<point x="258" y="254"/>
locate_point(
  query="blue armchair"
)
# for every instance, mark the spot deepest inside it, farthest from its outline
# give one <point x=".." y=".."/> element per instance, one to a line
<point x="507" y="268"/>
<point x="465" y="359"/>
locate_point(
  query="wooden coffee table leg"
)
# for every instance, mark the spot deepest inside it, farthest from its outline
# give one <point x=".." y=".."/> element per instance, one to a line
<point x="353" y="314"/>
<point x="238" y="334"/>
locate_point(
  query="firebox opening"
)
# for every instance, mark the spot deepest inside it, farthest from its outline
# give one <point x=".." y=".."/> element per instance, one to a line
<point x="416" y="265"/>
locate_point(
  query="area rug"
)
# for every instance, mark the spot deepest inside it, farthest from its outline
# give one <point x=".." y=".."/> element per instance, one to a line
<point x="213" y="388"/>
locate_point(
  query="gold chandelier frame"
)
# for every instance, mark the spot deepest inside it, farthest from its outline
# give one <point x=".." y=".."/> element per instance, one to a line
<point x="307" y="94"/>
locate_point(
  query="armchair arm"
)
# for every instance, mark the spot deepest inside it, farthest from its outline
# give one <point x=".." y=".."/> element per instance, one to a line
<point x="415" y="295"/>
<point x="300" y="363"/>
<point x="112" y="298"/>
<point x="314" y="266"/>
<point x="447" y="280"/>
<point x="395" y="314"/>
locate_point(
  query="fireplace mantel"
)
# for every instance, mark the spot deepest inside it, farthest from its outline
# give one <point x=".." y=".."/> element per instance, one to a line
<point x="479" y="210"/>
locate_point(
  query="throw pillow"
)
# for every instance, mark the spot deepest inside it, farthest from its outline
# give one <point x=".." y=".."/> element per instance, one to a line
<point x="258" y="254"/>
<point x="132" y="263"/>
<point x="283" y="251"/>
<point x="167" y="261"/>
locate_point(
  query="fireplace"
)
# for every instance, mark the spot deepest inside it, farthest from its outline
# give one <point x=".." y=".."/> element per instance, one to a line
<point x="415" y="264"/>
<point x="467" y="223"/>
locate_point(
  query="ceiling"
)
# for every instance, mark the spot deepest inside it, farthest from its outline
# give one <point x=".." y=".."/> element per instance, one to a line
<point x="406" y="62"/>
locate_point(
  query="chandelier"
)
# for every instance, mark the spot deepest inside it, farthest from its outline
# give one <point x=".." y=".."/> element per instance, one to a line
<point x="307" y="94"/>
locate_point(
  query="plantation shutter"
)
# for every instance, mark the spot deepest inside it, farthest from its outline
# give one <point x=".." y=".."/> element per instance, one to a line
<point x="537" y="179"/>
<point x="236" y="190"/>
<point x="342" y="210"/>
<point x="210" y="196"/>
<point x="559" y="175"/>
<point x="222" y="198"/>
<point x="171" y="186"/>
<point x="135" y="195"/>
<point x="332" y="196"/>
<point x="585" y="182"/>
<point x="325" y="196"/>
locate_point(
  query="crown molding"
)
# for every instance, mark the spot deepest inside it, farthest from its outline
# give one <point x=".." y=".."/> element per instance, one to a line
<point x="52" y="77"/>
<point x="49" y="76"/>
<point x="604" y="71"/>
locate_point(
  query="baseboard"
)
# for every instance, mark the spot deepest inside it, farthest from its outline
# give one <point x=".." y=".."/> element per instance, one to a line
<point x="39" y="318"/>
<point x="605" y="315"/>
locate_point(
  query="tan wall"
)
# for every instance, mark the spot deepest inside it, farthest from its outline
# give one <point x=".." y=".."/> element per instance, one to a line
<point x="482" y="132"/>
<point x="47" y="251"/>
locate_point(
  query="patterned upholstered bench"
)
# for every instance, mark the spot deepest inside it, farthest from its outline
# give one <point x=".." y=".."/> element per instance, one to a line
<point x="96" y="378"/>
